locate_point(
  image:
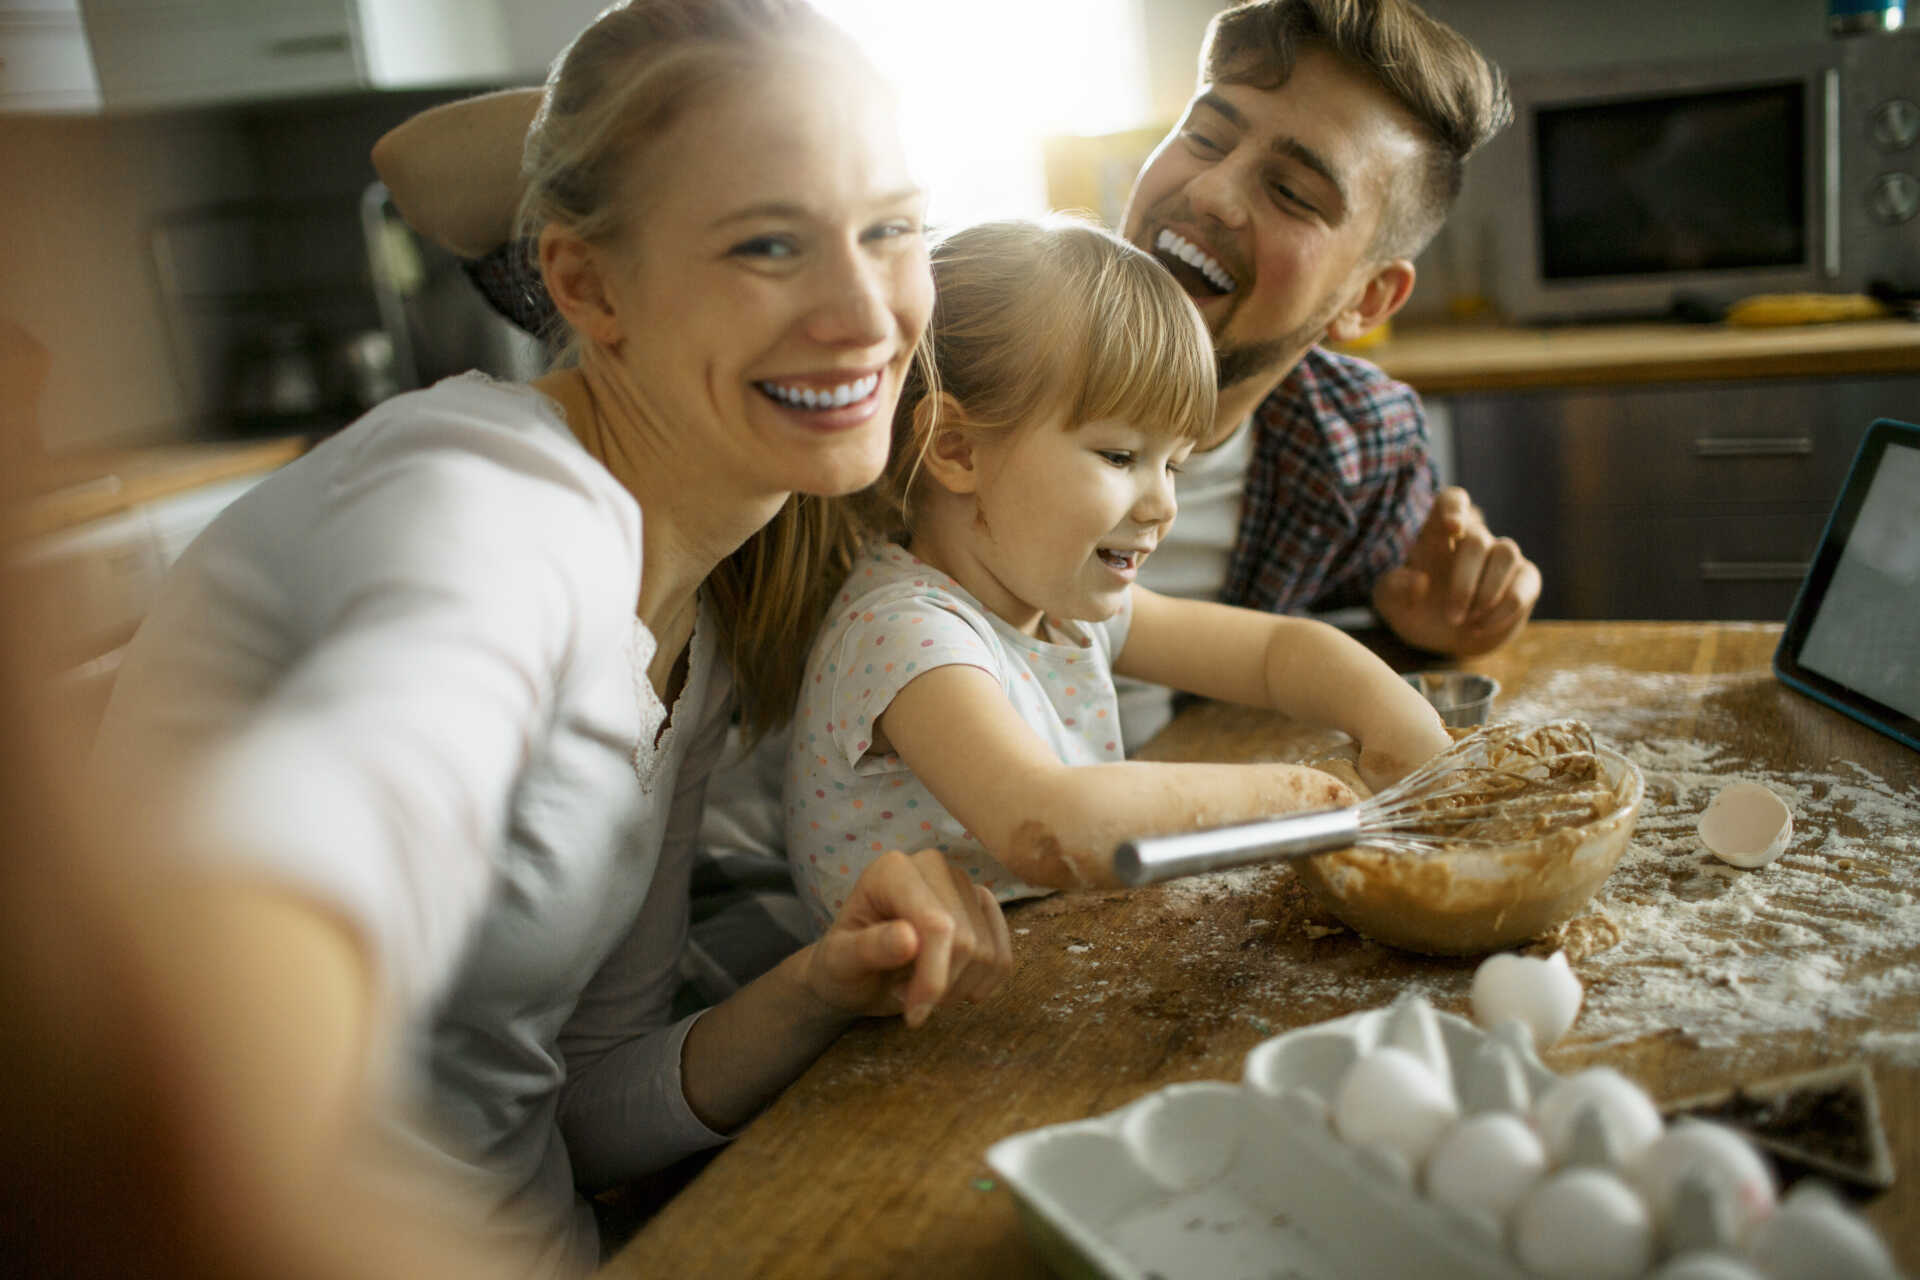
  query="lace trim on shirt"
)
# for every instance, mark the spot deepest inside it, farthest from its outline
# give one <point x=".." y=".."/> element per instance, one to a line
<point x="651" y="746"/>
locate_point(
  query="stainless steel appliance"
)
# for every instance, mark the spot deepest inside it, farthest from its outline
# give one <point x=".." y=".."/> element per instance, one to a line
<point x="1703" y="182"/>
<point x="436" y="321"/>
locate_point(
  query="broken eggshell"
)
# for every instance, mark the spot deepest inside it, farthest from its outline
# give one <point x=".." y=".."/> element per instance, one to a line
<point x="1746" y="825"/>
<point x="1542" y="994"/>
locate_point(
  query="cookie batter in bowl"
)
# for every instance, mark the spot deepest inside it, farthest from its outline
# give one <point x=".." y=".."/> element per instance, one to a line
<point x="1497" y="884"/>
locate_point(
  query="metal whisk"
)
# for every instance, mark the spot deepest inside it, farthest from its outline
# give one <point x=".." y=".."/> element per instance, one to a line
<point x="1495" y="786"/>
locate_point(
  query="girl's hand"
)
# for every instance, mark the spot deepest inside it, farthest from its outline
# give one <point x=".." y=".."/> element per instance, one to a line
<point x="915" y="933"/>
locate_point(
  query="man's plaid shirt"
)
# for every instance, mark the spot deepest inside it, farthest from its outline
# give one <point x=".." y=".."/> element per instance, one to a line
<point x="1338" y="487"/>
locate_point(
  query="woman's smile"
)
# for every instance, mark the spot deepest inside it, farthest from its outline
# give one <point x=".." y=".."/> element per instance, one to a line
<point x="772" y="307"/>
<point x="827" y="402"/>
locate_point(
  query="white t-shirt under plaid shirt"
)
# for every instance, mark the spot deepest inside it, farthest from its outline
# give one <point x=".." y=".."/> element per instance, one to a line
<point x="894" y="619"/>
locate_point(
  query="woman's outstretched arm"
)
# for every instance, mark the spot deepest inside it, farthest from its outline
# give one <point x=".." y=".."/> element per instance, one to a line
<point x="188" y="1065"/>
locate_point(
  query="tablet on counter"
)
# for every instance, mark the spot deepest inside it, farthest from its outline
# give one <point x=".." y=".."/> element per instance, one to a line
<point x="1852" y="639"/>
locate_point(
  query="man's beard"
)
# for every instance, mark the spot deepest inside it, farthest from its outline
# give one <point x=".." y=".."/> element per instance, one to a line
<point x="1237" y="363"/>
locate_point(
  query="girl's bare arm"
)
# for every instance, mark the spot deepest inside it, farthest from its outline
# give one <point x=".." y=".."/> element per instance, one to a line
<point x="1056" y="824"/>
<point x="1304" y="668"/>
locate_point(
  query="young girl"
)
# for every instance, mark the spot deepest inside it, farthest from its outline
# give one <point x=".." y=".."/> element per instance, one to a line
<point x="960" y="695"/>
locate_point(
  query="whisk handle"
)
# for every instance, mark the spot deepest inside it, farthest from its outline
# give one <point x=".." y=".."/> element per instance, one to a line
<point x="1151" y="859"/>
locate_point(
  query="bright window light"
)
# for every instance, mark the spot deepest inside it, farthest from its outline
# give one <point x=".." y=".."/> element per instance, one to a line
<point x="982" y="83"/>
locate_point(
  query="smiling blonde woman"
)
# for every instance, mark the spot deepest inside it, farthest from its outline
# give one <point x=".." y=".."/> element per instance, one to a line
<point x="436" y="703"/>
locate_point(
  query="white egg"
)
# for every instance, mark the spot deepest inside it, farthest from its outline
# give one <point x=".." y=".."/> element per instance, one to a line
<point x="1626" y="1112"/>
<point x="1390" y="1098"/>
<point x="1705" y="1266"/>
<point x="1813" y="1236"/>
<point x="1492" y="1079"/>
<point x="1485" y="1163"/>
<point x="1542" y="994"/>
<point x="1724" y="1160"/>
<point x="1746" y="824"/>
<point x="1411" y="1025"/>
<point x="1583" y="1224"/>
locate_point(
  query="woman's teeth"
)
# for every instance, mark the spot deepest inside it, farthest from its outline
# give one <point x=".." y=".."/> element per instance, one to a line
<point x="1196" y="257"/>
<point x="822" y="397"/>
<point x="1120" y="559"/>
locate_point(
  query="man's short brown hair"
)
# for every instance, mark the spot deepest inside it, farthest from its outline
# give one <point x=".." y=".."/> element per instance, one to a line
<point x="1457" y="96"/>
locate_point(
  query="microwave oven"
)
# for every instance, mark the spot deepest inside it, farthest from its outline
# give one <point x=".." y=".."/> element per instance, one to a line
<point x="1684" y="186"/>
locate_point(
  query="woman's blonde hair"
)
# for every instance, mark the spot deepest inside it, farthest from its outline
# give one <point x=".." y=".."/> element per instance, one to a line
<point x="1047" y="318"/>
<point x="612" y="95"/>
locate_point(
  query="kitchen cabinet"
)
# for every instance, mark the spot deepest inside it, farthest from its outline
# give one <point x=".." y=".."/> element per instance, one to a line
<point x="45" y="65"/>
<point x="80" y="55"/>
<point x="92" y="584"/>
<point x="104" y="527"/>
<point x="1698" y="500"/>
<point x="91" y="549"/>
<point x="167" y="53"/>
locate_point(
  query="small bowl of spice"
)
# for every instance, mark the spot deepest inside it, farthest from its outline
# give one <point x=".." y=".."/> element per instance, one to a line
<point x="1463" y="698"/>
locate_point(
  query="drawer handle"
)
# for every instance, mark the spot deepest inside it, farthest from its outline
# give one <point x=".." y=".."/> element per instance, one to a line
<point x="1752" y="570"/>
<point x="309" y="46"/>
<point x="1752" y="446"/>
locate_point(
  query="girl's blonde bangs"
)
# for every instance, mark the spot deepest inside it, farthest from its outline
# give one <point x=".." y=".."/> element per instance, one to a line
<point x="1148" y="360"/>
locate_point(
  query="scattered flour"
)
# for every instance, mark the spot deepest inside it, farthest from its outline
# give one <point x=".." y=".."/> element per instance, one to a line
<point x="1825" y="939"/>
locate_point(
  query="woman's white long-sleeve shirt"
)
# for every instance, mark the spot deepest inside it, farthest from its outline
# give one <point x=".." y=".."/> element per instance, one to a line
<point x="404" y="675"/>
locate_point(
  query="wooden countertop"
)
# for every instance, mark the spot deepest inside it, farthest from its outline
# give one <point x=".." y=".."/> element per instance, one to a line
<point x="71" y="488"/>
<point x="872" y="1164"/>
<point x="1467" y="358"/>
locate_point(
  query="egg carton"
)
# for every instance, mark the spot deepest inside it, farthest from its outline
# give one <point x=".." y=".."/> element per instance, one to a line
<point x="1254" y="1179"/>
